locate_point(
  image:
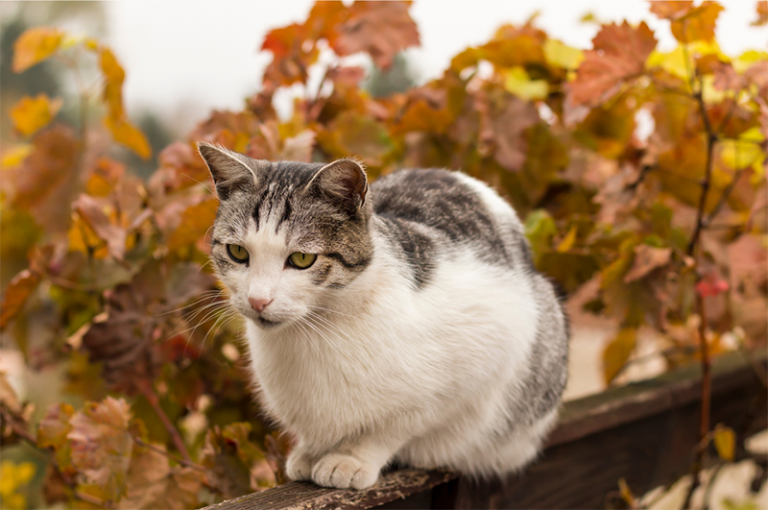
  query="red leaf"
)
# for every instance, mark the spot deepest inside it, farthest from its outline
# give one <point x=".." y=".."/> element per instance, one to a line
<point x="619" y="55"/>
<point x="381" y="29"/>
<point x="19" y="289"/>
<point x="711" y="285"/>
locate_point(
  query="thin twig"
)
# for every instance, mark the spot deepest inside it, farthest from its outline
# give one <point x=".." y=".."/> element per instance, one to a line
<point x="154" y="401"/>
<point x="155" y="449"/>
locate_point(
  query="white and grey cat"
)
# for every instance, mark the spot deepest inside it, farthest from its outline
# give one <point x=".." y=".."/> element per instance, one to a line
<point x="401" y="322"/>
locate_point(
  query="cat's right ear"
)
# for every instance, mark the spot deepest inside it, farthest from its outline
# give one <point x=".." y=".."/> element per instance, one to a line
<point x="230" y="170"/>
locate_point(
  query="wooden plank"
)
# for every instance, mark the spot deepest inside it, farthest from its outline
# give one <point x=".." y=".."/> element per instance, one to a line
<point x="643" y="432"/>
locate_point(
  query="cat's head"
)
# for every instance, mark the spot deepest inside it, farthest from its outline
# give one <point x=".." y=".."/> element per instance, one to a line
<point x="288" y="236"/>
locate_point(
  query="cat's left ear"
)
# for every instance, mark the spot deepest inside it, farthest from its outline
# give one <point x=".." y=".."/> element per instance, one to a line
<point x="343" y="181"/>
<point x="231" y="171"/>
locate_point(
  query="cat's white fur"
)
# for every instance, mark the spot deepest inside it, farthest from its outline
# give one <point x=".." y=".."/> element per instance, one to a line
<point x="421" y="376"/>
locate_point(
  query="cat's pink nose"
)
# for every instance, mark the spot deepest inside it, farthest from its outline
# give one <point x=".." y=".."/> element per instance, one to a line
<point x="259" y="304"/>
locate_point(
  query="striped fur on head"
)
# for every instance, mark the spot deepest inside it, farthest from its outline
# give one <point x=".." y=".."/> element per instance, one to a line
<point x="274" y="209"/>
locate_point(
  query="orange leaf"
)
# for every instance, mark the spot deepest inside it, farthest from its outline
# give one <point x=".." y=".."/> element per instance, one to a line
<point x="19" y="289"/>
<point x="762" y="14"/>
<point x="90" y="211"/>
<point x="114" y="76"/>
<point x="617" y="353"/>
<point x="195" y="222"/>
<point x="698" y="24"/>
<point x="619" y="55"/>
<point x="382" y="29"/>
<point x="34" y="46"/>
<point x="129" y="135"/>
<point x="31" y="114"/>
<point x="671" y="9"/>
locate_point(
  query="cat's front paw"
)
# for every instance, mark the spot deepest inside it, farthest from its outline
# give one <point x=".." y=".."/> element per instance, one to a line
<point x="298" y="466"/>
<point x="344" y="471"/>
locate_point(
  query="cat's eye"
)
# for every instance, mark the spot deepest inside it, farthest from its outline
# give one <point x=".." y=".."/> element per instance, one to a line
<point x="301" y="260"/>
<point x="237" y="253"/>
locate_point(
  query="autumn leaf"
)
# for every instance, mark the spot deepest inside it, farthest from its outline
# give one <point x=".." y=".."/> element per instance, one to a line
<point x="17" y="293"/>
<point x="90" y="211"/>
<point x="561" y="55"/>
<point x="618" y="55"/>
<point x="697" y="24"/>
<point x="518" y="82"/>
<point x="382" y="29"/>
<point x="617" y="353"/>
<point x="292" y="57"/>
<point x="504" y="122"/>
<point x="672" y="9"/>
<point x="153" y="483"/>
<point x="762" y="14"/>
<point x="31" y="114"/>
<point x="116" y="119"/>
<point x="193" y="224"/>
<point x="299" y="147"/>
<point x="34" y="46"/>
<point x="647" y="259"/>
<point x="45" y="182"/>
<point x="102" y="444"/>
<point x="52" y="433"/>
<point x="15" y="156"/>
<point x="725" y="442"/>
<point x="129" y="135"/>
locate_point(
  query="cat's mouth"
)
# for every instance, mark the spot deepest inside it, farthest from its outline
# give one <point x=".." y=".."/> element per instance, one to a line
<point x="266" y="323"/>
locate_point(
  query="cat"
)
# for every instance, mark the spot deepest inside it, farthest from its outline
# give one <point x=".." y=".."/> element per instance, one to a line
<point x="402" y="322"/>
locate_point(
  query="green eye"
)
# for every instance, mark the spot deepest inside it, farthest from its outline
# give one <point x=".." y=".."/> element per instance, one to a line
<point x="301" y="260"/>
<point x="237" y="253"/>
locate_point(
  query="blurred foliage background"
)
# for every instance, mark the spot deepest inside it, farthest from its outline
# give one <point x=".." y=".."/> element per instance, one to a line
<point x="640" y="175"/>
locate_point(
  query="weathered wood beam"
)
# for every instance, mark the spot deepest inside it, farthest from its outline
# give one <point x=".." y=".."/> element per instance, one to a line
<point x="644" y="432"/>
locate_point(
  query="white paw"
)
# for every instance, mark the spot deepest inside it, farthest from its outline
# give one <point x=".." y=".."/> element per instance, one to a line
<point x="298" y="466"/>
<point x="344" y="471"/>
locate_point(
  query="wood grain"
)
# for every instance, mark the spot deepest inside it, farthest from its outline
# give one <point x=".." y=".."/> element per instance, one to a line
<point x="643" y="432"/>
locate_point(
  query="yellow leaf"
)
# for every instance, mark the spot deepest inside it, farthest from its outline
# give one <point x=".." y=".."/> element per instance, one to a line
<point x="31" y="114"/>
<point x="617" y="353"/>
<point x="744" y="152"/>
<point x="34" y="46"/>
<point x="567" y="242"/>
<point x="129" y="135"/>
<point x="561" y="55"/>
<point x="519" y="83"/>
<point x="114" y="76"/>
<point x="195" y="222"/>
<point x="16" y="156"/>
<point x="725" y="442"/>
<point x="746" y="59"/>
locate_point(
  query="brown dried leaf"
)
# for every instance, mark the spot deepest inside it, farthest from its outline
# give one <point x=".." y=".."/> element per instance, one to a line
<point x="382" y="29"/>
<point x="19" y="290"/>
<point x="152" y="483"/>
<point x="102" y="444"/>
<point x="90" y="211"/>
<point x="504" y="122"/>
<point x="619" y="55"/>
<point x="647" y="259"/>
<point x="31" y="114"/>
<point x="34" y="46"/>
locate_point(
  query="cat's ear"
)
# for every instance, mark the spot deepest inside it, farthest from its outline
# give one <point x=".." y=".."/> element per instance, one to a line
<point x="230" y="170"/>
<point x="343" y="181"/>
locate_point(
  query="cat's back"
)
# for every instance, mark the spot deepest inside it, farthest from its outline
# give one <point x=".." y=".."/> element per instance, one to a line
<point x="432" y="210"/>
